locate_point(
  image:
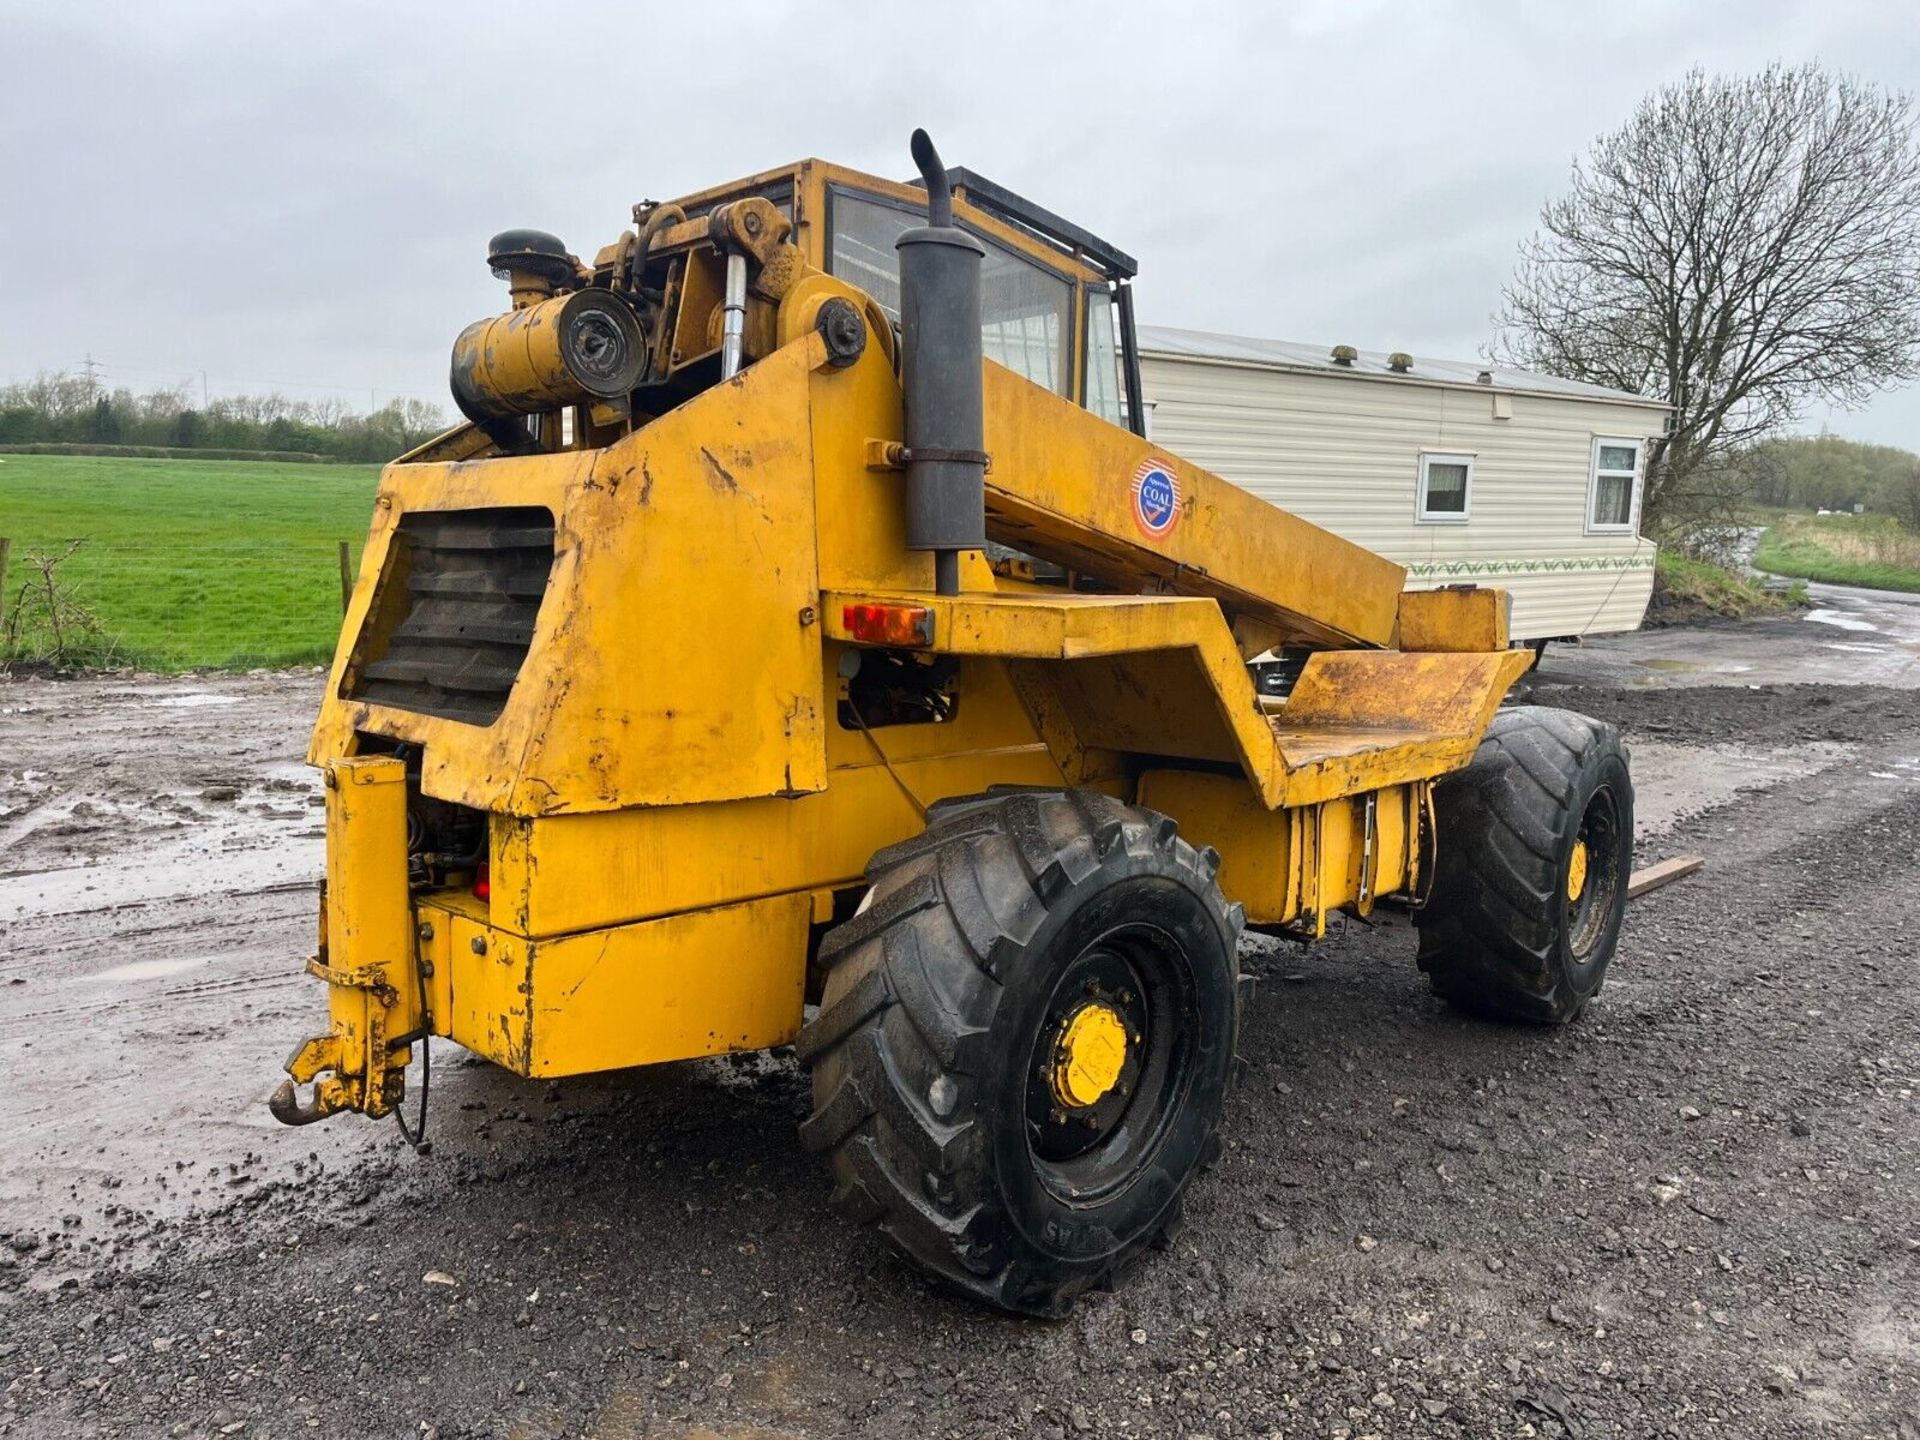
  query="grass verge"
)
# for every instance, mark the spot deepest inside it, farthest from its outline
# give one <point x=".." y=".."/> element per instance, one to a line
<point x="1685" y="589"/>
<point x="1874" y="551"/>
<point x="190" y="563"/>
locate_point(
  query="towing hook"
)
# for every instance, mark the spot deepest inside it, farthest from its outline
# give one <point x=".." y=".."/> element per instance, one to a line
<point x="285" y="1105"/>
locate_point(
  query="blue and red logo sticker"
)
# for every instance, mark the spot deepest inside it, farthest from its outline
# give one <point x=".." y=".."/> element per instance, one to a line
<point x="1156" y="498"/>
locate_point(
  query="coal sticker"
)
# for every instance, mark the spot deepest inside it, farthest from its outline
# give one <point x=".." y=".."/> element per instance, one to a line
<point x="1156" y="498"/>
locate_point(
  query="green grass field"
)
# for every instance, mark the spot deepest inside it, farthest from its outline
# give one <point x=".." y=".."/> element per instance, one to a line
<point x="1870" y="550"/>
<point x="191" y="563"/>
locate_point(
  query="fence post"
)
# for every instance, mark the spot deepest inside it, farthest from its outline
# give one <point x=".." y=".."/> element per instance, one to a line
<point x="6" y="548"/>
<point x="346" y="576"/>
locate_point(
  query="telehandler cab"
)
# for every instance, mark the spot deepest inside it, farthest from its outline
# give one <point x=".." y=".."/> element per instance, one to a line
<point x="803" y="618"/>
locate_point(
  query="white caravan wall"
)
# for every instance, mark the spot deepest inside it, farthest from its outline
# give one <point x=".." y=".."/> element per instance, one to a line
<point x="1343" y="450"/>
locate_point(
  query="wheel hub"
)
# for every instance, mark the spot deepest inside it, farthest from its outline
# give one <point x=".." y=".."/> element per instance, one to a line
<point x="1093" y="1051"/>
<point x="1577" y="871"/>
<point x="1089" y="1055"/>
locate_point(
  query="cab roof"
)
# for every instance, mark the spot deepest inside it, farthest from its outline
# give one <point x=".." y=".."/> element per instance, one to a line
<point x="1016" y="210"/>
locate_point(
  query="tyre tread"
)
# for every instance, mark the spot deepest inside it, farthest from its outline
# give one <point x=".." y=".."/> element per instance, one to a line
<point x="1489" y="933"/>
<point x="897" y="1024"/>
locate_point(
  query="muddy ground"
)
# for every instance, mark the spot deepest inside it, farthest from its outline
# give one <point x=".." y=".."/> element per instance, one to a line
<point x="1695" y="1212"/>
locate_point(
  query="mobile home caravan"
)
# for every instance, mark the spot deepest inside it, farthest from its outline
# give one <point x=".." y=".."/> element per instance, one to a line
<point x="1462" y="472"/>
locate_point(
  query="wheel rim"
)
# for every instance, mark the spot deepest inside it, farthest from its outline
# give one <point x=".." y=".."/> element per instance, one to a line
<point x="1111" y="1063"/>
<point x="1592" y="879"/>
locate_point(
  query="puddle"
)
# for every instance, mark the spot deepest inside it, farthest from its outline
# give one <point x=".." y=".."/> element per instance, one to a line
<point x="1853" y="647"/>
<point x="149" y="969"/>
<point x="1693" y="667"/>
<point x="1839" y="619"/>
<point x="194" y="701"/>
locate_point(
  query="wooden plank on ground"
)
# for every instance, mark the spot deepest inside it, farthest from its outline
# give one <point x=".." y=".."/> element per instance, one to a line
<point x="1663" y="873"/>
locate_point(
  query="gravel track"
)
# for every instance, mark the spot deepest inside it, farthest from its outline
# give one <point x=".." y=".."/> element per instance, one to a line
<point x="1695" y="1212"/>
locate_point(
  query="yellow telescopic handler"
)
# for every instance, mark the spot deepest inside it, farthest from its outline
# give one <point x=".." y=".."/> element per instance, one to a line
<point x="801" y="643"/>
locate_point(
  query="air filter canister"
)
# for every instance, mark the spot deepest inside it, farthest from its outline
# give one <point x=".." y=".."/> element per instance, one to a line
<point x="573" y="348"/>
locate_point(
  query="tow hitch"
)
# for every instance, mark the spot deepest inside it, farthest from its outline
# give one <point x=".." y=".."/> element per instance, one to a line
<point x="367" y="955"/>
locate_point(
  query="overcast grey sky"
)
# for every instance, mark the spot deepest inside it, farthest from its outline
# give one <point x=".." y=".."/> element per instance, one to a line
<point x="299" y="197"/>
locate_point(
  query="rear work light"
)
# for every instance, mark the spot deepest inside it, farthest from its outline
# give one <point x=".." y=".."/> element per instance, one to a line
<point x="907" y="626"/>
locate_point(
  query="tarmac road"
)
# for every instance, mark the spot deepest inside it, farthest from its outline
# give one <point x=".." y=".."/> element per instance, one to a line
<point x="1695" y="1212"/>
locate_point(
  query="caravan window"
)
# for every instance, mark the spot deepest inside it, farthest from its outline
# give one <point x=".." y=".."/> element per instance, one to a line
<point x="1616" y="465"/>
<point x="1025" y="309"/>
<point x="1445" y="485"/>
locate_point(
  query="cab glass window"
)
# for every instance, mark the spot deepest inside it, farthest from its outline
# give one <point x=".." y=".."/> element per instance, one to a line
<point x="1103" y="359"/>
<point x="1026" y="311"/>
<point x="862" y="251"/>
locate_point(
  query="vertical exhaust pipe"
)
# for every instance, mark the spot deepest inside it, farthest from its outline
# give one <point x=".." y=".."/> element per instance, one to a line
<point x="940" y="379"/>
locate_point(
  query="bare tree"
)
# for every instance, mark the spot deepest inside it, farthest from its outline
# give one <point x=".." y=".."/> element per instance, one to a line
<point x="1740" y="249"/>
<point x="254" y="409"/>
<point x="420" y="421"/>
<point x="56" y="393"/>
<point x="164" y="403"/>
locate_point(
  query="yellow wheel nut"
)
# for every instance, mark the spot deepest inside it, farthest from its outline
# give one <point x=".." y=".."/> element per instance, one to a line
<point x="1577" y="872"/>
<point x="1090" y="1056"/>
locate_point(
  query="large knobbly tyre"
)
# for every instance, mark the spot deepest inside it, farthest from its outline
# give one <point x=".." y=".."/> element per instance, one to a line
<point x="1024" y="1041"/>
<point x="1535" y="849"/>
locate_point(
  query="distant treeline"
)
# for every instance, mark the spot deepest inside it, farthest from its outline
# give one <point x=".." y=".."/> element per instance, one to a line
<point x="165" y="452"/>
<point x="66" y="409"/>
<point x="1827" y="473"/>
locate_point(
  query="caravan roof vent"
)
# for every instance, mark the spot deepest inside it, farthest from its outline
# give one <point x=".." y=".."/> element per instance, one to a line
<point x="1345" y="354"/>
<point x="1399" y="362"/>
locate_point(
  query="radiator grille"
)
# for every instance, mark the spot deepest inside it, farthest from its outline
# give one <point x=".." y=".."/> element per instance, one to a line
<point x="474" y="583"/>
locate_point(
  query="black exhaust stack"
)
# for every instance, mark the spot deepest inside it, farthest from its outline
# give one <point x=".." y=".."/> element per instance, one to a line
<point x="940" y="379"/>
